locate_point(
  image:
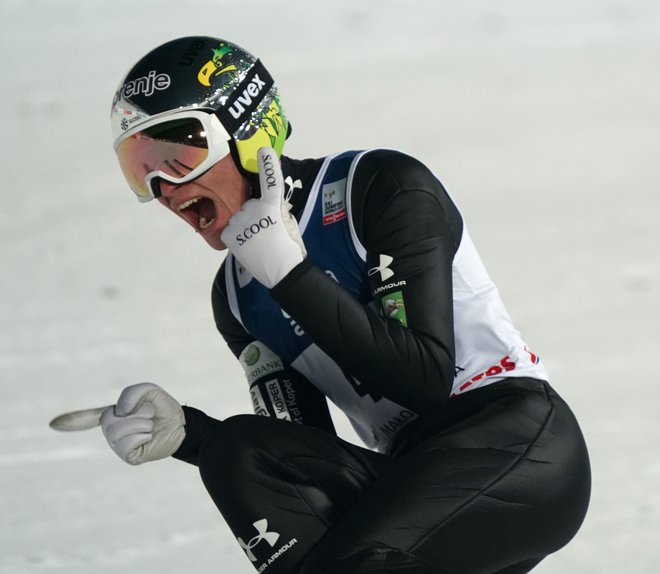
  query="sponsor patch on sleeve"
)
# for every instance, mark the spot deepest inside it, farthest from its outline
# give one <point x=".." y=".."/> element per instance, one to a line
<point x="258" y="360"/>
<point x="394" y="307"/>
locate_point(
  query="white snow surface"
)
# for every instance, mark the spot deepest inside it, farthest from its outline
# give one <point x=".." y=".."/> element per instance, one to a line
<point x="542" y="119"/>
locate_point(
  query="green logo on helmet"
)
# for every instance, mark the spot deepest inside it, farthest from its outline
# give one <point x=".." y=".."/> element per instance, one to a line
<point x="214" y="66"/>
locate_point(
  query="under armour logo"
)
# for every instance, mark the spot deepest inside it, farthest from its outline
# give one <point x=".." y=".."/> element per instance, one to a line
<point x="383" y="268"/>
<point x="263" y="534"/>
<point x="292" y="185"/>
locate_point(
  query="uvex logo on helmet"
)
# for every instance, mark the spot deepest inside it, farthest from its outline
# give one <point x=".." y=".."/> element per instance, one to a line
<point x="246" y="97"/>
<point x="253" y="92"/>
<point x="214" y="66"/>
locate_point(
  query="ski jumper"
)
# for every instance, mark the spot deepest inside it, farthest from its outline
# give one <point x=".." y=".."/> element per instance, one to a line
<point x="472" y="463"/>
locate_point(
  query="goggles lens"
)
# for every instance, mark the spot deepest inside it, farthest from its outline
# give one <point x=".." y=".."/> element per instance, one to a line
<point x="174" y="148"/>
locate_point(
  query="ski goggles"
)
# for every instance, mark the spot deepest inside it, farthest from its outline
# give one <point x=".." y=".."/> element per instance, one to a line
<point x="176" y="147"/>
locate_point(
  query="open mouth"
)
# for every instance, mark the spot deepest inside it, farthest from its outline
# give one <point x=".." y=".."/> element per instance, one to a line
<point x="199" y="212"/>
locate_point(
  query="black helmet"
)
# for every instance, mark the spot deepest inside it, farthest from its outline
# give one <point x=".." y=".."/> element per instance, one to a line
<point x="206" y="74"/>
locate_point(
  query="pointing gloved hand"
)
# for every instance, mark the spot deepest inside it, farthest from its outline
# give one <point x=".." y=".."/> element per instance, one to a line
<point x="146" y="424"/>
<point x="263" y="235"/>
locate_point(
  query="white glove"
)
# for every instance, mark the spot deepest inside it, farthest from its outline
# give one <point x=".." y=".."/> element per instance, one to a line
<point x="263" y="235"/>
<point x="146" y="424"/>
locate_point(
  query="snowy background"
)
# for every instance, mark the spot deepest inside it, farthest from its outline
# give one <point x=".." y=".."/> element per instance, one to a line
<point x="542" y="119"/>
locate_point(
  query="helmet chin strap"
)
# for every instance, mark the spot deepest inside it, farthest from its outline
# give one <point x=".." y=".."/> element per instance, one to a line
<point x="255" y="188"/>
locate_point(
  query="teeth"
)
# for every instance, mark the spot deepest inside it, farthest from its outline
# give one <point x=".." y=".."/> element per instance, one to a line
<point x="188" y="204"/>
<point x="203" y="224"/>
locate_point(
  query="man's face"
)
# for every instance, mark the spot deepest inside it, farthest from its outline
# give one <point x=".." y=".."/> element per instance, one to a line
<point x="208" y="202"/>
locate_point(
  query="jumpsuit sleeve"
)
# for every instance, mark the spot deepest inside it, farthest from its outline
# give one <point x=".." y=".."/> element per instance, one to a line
<point x="276" y="389"/>
<point x="410" y="229"/>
